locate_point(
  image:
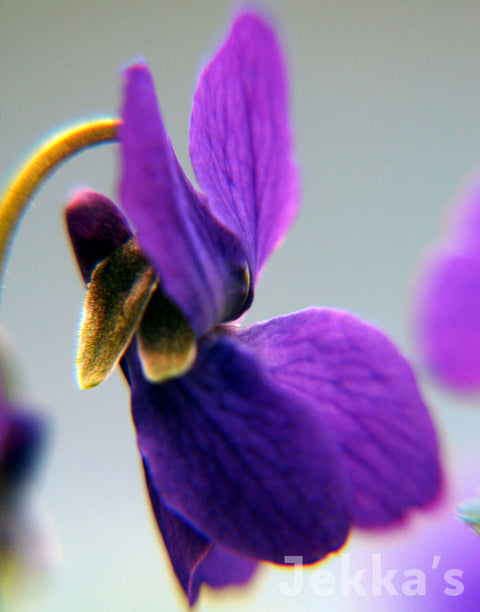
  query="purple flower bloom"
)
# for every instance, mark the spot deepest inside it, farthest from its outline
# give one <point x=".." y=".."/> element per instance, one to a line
<point x="21" y="438"/>
<point x="441" y="559"/>
<point x="278" y="436"/>
<point x="447" y="297"/>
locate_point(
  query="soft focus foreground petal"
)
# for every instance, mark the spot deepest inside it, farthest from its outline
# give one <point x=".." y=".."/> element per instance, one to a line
<point x="96" y="228"/>
<point x="184" y="544"/>
<point x="202" y="266"/>
<point x="365" y="390"/>
<point x="240" y="141"/>
<point x="252" y="466"/>
<point x="447" y="316"/>
<point x="445" y="549"/>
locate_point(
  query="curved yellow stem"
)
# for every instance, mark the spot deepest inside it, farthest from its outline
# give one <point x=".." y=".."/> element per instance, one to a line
<point x="40" y="165"/>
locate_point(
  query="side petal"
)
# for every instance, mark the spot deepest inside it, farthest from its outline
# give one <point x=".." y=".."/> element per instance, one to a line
<point x="185" y="546"/>
<point x="240" y="141"/>
<point x="202" y="266"/>
<point x="251" y="466"/>
<point x="446" y="316"/>
<point x="364" y="389"/>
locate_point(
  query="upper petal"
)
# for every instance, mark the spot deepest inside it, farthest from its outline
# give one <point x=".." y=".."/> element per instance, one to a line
<point x="240" y="141"/>
<point x="202" y="266"/>
<point x="250" y="465"/>
<point x="364" y="389"/>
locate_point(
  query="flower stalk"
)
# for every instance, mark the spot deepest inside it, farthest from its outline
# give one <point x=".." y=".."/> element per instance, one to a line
<point x="44" y="160"/>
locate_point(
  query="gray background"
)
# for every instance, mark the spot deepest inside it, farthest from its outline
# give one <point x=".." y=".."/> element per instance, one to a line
<point x="385" y="105"/>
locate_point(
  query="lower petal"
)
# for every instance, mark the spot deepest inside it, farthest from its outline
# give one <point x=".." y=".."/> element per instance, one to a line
<point x="196" y="560"/>
<point x="252" y="466"/>
<point x="185" y="546"/>
<point x="365" y="390"/>
<point x="221" y="568"/>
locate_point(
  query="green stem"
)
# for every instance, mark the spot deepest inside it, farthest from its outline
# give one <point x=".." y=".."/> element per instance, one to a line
<point x="39" y="166"/>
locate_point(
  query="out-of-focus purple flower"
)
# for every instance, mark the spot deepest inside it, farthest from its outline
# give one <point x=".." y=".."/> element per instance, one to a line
<point x="437" y="566"/>
<point x="21" y="439"/>
<point x="278" y="436"/>
<point x="447" y="296"/>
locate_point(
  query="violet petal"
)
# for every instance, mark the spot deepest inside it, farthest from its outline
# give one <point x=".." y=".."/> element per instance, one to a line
<point x="447" y="296"/>
<point x="240" y="141"/>
<point x="365" y="390"/>
<point x="202" y="266"/>
<point x="185" y="546"/>
<point x="221" y="568"/>
<point x="252" y="466"/>
<point x="195" y="560"/>
<point x="446" y="315"/>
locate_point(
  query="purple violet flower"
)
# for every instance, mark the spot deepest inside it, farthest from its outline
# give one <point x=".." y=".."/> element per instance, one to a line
<point x="442" y="557"/>
<point x="21" y="437"/>
<point x="270" y="439"/>
<point x="446" y="305"/>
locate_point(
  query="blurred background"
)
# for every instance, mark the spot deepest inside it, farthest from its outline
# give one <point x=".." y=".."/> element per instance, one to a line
<point x="385" y="107"/>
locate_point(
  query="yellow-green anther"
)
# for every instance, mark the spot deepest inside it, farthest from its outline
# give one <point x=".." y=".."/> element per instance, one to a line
<point x="40" y="165"/>
<point x="117" y="296"/>
<point x="166" y="341"/>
